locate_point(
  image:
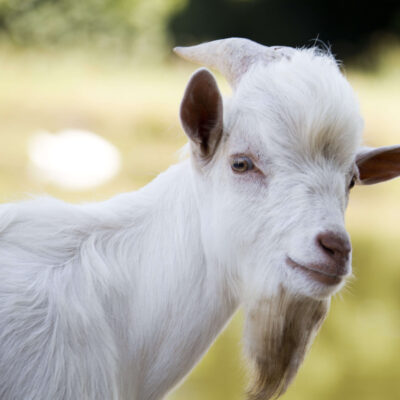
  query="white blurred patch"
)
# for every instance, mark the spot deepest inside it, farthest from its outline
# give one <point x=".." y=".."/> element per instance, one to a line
<point x="73" y="159"/>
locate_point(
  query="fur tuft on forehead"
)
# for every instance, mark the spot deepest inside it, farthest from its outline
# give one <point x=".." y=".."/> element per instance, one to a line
<point x="302" y="103"/>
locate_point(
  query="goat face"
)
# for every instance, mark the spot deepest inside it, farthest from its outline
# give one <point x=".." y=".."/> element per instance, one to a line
<point x="273" y="166"/>
<point x="272" y="169"/>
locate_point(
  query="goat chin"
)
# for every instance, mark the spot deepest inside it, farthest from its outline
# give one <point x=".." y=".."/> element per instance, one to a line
<point x="278" y="333"/>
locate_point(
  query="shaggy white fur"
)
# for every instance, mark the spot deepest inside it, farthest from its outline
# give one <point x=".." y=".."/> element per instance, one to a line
<point x="120" y="299"/>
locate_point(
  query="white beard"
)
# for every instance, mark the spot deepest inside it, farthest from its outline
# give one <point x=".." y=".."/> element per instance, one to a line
<point x="278" y="333"/>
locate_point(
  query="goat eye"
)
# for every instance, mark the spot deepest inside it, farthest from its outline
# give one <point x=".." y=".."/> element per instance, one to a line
<point x="242" y="164"/>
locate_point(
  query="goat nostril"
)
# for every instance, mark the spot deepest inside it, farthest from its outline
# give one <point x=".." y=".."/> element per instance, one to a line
<point x="326" y="248"/>
<point x="334" y="245"/>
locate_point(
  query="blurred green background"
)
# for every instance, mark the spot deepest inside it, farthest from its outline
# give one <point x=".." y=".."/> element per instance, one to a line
<point x="106" y="66"/>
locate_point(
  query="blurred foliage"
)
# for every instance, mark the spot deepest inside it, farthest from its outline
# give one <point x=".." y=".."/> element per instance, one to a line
<point x="120" y="25"/>
<point x="349" y="26"/>
<point x="30" y="21"/>
<point x="146" y="27"/>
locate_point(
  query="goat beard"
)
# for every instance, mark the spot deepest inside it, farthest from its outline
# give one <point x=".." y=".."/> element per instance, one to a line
<point x="278" y="333"/>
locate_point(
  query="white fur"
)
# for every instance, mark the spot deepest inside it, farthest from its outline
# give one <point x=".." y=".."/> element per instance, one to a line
<point x="119" y="299"/>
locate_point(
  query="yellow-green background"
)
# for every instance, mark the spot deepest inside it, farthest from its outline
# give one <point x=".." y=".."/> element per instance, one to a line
<point x="135" y="106"/>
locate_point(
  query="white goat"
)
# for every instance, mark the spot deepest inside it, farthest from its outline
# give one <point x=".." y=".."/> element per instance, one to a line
<point x="120" y="299"/>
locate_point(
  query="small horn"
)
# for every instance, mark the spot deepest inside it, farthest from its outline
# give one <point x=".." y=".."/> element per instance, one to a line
<point x="232" y="57"/>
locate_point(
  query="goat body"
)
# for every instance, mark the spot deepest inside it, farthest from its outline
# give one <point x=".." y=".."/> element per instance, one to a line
<point x="112" y="300"/>
<point x="119" y="299"/>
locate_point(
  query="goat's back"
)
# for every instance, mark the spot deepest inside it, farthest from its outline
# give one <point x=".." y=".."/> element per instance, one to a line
<point x="55" y="342"/>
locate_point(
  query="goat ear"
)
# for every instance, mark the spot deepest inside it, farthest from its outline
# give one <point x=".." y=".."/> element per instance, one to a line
<point x="201" y="113"/>
<point x="378" y="164"/>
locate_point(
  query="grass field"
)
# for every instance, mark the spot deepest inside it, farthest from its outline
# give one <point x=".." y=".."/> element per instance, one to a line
<point x="356" y="355"/>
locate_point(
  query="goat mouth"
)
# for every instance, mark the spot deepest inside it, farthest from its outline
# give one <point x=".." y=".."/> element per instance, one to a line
<point x="316" y="274"/>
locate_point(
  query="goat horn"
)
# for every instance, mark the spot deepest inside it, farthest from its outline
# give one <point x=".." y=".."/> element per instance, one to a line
<point x="232" y="57"/>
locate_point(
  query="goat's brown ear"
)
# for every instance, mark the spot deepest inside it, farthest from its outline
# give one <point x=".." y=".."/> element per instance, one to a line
<point x="378" y="164"/>
<point x="201" y="113"/>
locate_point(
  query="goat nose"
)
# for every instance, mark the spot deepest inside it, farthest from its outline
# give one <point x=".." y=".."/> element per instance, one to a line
<point x="337" y="247"/>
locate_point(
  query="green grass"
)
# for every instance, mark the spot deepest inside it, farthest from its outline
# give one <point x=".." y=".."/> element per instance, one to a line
<point x="136" y="108"/>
